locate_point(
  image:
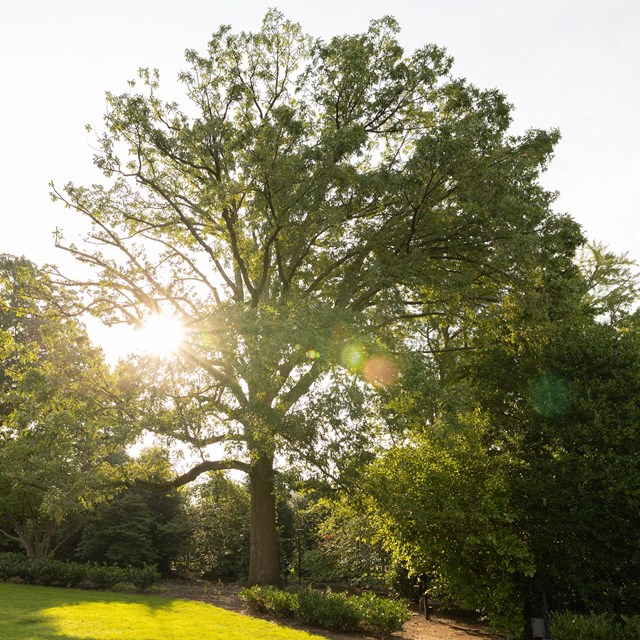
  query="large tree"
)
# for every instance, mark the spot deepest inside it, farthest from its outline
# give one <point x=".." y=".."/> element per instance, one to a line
<point x="311" y="202"/>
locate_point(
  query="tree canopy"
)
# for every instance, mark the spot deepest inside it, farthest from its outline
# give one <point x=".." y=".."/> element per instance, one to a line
<point x="304" y="214"/>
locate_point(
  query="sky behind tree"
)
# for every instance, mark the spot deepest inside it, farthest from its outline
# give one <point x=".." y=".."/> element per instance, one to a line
<point x="569" y="64"/>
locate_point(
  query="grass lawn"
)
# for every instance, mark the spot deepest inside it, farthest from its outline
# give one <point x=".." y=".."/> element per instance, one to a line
<point x="46" y="613"/>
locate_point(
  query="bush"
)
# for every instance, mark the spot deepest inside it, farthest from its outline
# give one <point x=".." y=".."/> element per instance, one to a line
<point x="271" y="600"/>
<point x="12" y="565"/>
<point x="103" y="576"/>
<point x="143" y="577"/>
<point x="378" y="616"/>
<point x="594" y="626"/>
<point x="71" y="574"/>
<point x="47" y="571"/>
<point x="334" y="611"/>
<point x="43" y="571"/>
<point x="329" y="610"/>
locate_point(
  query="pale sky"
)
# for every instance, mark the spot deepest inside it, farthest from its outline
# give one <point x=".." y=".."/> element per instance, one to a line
<point x="571" y="64"/>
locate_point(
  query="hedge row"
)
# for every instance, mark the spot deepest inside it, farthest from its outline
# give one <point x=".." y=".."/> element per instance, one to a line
<point x="49" y="572"/>
<point x="365" y="613"/>
<point x="594" y="626"/>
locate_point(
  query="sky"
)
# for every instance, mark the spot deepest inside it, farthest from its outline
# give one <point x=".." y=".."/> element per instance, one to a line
<point x="570" y="64"/>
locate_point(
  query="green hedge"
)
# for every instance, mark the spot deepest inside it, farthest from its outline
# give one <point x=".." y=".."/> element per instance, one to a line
<point x="365" y="613"/>
<point x="594" y="626"/>
<point x="49" y="572"/>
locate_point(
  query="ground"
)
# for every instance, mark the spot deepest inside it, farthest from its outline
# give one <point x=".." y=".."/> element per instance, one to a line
<point x="439" y="627"/>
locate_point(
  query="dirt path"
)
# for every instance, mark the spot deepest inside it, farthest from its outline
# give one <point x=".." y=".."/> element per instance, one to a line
<point x="225" y="596"/>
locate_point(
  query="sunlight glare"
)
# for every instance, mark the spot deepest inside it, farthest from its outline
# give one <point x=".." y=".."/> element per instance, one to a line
<point x="160" y="335"/>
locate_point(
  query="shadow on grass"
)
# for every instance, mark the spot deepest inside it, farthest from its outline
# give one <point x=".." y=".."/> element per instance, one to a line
<point x="46" y="613"/>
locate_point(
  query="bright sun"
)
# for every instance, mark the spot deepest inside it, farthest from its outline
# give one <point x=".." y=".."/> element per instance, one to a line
<point x="160" y="335"/>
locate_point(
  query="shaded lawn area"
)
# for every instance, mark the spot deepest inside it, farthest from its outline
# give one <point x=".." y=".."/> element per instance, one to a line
<point x="46" y="613"/>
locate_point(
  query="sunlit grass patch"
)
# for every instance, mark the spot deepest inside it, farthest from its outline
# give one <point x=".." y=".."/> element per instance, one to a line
<point x="45" y="613"/>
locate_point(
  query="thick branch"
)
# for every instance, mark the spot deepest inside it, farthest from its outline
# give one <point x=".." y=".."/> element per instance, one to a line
<point x="194" y="472"/>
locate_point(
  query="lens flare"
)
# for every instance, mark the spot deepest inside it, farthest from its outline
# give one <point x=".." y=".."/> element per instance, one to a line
<point x="352" y="356"/>
<point x="380" y="371"/>
<point x="550" y="394"/>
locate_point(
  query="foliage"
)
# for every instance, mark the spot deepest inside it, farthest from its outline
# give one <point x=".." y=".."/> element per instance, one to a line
<point x="38" y="612"/>
<point x="339" y="543"/>
<point x="119" y="532"/>
<point x="562" y="417"/>
<point x="218" y="544"/>
<point x="47" y="571"/>
<point x="312" y="204"/>
<point x="12" y="565"/>
<point x="136" y="527"/>
<point x="442" y="508"/>
<point x="271" y="600"/>
<point x="594" y="626"/>
<point x="143" y="577"/>
<point x="326" y="609"/>
<point x="59" y="421"/>
<point x="517" y="462"/>
<point x="103" y="576"/>
<point x="380" y="617"/>
<point x="365" y="613"/>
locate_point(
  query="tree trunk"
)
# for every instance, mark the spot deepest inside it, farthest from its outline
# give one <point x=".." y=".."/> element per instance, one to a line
<point x="264" y="567"/>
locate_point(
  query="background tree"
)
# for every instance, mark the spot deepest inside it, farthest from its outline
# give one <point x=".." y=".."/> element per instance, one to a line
<point x="59" y="422"/>
<point x="139" y="525"/>
<point x="219" y="515"/>
<point x="565" y="420"/>
<point x="339" y="542"/>
<point x="516" y="466"/>
<point x="311" y="202"/>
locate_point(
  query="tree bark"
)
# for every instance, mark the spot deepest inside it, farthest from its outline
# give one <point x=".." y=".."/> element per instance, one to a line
<point x="264" y="567"/>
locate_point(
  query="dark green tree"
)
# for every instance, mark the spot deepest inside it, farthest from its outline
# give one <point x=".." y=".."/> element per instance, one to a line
<point x="137" y="527"/>
<point x="517" y="468"/>
<point x="565" y="419"/>
<point x="311" y="203"/>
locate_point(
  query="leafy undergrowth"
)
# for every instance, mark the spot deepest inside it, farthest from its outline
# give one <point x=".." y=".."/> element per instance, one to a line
<point x="594" y="626"/>
<point x="54" y="573"/>
<point x="47" y="613"/>
<point x="365" y="613"/>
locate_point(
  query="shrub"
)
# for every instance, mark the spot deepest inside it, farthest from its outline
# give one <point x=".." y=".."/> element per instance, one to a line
<point x="12" y="565"/>
<point x="71" y="574"/>
<point x="103" y="576"/>
<point x="326" y="609"/>
<point x="378" y="616"/>
<point x="334" y="611"/>
<point x="143" y="577"/>
<point x="47" y="571"/>
<point x="255" y="598"/>
<point x="271" y="600"/>
<point x="594" y="626"/>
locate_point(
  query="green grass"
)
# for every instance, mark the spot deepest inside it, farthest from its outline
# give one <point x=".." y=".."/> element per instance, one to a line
<point x="46" y="613"/>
